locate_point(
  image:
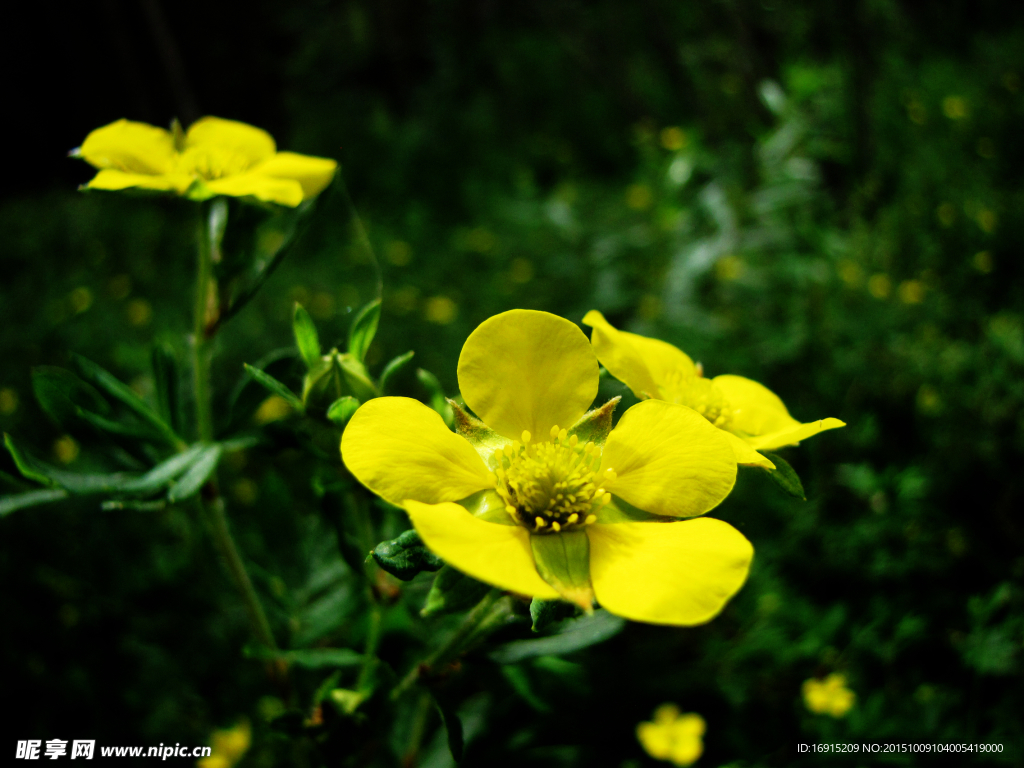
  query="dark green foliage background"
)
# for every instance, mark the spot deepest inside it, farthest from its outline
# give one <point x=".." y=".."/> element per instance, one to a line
<point x="515" y="148"/>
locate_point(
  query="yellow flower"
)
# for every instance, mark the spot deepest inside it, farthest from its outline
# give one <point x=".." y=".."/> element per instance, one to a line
<point x="829" y="696"/>
<point x="228" y="747"/>
<point x="751" y="416"/>
<point x="214" y="157"/>
<point x="673" y="736"/>
<point x="542" y="497"/>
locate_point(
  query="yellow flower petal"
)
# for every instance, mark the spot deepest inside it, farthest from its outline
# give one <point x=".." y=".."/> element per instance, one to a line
<point x="680" y="573"/>
<point x="756" y="410"/>
<point x="745" y="453"/>
<point x="282" y="191"/>
<point x="496" y="554"/>
<point x="669" y="460"/>
<point x="642" y="364"/>
<point x="135" y="148"/>
<point x="527" y="370"/>
<point x="401" y="449"/>
<point x="313" y="173"/>
<point x="793" y="435"/>
<point x="230" y="136"/>
<point x="114" y="180"/>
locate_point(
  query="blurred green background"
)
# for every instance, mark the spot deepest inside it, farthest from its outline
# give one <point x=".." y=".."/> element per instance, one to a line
<point x="823" y="197"/>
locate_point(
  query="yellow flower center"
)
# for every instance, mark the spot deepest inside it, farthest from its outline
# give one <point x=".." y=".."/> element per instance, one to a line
<point x="694" y="391"/>
<point x="552" y="486"/>
<point x="210" y="163"/>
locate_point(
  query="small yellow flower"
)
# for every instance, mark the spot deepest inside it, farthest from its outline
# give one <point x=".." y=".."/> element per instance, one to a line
<point x="748" y="414"/>
<point x="214" y="157"/>
<point x="228" y="747"/>
<point x="542" y="497"/>
<point x="673" y="736"/>
<point x="829" y="696"/>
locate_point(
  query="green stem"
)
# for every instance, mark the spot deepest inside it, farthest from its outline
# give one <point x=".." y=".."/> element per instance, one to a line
<point x="419" y="728"/>
<point x="210" y="231"/>
<point x="476" y="620"/>
<point x="225" y="542"/>
<point x="370" y="652"/>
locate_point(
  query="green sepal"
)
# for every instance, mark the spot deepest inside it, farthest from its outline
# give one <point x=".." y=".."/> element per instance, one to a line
<point x="452" y="724"/>
<point x="406" y="556"/>
<point x="306" y="337"/>
<point x="62" y="394"/>
<point x="106" y="382"/>
<point x="394" y="367"/>
<point x="363" y="329"/>
<point x="595" y="425"/>
<point x="436" y="394"/>
<point x="488" y="505"/>
<point x="563" y="561"/>
<point x="274" y="386"/>
<point x="453" y="591"/>
<point x="621" y="511"/>
<point x="342" y="409"/>
<point x="480" y="436"/>
<point x="198" y="473"/>
<point x="785" y="476"/>
<point x="545" y="613"/>
<point x="18" y="501"/>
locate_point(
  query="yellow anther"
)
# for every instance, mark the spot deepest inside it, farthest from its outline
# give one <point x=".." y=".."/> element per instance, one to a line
<point x="539" y="521"/>
<point x="609" y="475"/>
<point x="554" y="432"/>
<point x="555" y="526"/>
<point x="562" y="434"/>
<point x="510" y="509"/>
<point x="573" y="518"/>
<point x="590" y="519"/>
<point x="526" y="436"/>
<point x="509" y="451"/>
<point x="573" y="441"/>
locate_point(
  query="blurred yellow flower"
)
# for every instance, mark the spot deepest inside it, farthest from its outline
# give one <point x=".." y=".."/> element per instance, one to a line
<point x="228" y="747"/>
<point x="214" y="157"/>
<point x="829" y="696"/>
<point x="673" y="736"/>
<point x="748" y="414"/>
<point x="576" y="513"/>
<point x="880" y="285"/>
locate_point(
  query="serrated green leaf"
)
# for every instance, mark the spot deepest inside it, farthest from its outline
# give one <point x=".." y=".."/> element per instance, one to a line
<point x="785" y="476"/>
<point x="61" y="394"/>
<point x="393" y="367"/>
<point x="18" y="501"/>
<point x="453" y="591"/>
<point x="106" y="382"/>
<point x="274" y="386"/>
<point x="198" y="473"/>
<point x="363" y="329"/>
<point x="573" y="635"/>
<point x="406" y="556"/>
<point x="341" y="410"/>
<point x="306" y="337"/>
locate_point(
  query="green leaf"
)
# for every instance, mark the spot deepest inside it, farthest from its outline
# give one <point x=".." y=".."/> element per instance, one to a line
<point x="167" y="378"/>
<point x="517" y="678"/>
<point x="546" y="613"/>
<point x="595" y="425"/>
<point x="17" y="501"/>
<point x="198" y="473"/>
<point x="563" y="561"/>
<point x="309" y="658"/>
<point x="573" y="635"/>
<point x="785" y="476"/>
<point x="356" y="376"/>
<point x="163" y="473"/>
<point x="62" y="394"/>
<point x="363" y="329"/>
<point x="28" y="466"/>
<point x="405" y="556"/>
<point x="276" y="387"/>
<point x="136" y="431"/>
<point x="452" y="724"/>
<point x="107" y="383"/>
<point x="453" y="591"/>
<point x="437" y="399"/>
<point x="341" y="410"/>
<point x="392" y="368"/>
<point x="306" y="337"/>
